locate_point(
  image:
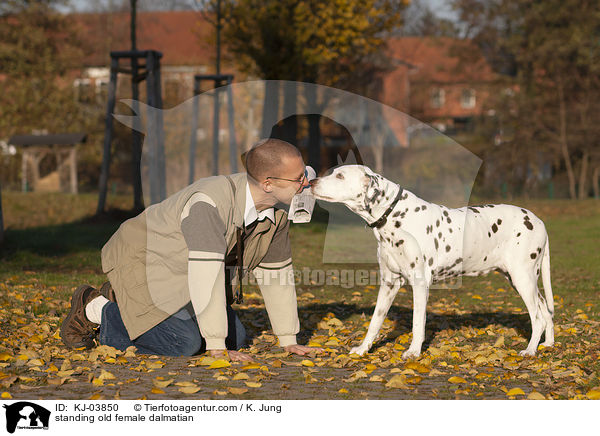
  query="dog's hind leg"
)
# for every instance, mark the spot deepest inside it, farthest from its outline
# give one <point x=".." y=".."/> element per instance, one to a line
<point x="525" y="284"/>
<point x="387" y="291"/>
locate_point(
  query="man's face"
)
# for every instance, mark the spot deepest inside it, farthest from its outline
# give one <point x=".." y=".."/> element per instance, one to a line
<point x="289" y="180"/>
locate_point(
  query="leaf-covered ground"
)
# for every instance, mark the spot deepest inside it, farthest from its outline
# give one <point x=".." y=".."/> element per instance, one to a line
<point x="474" y="333"/>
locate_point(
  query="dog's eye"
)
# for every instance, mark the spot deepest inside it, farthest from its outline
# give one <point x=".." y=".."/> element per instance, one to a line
<point x="339" y="176"/>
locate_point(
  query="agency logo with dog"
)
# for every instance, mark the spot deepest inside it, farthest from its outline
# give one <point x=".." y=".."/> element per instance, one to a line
<point x="26" y="415"/>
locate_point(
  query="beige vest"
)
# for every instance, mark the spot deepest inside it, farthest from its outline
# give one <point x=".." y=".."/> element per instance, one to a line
<point x="146" y="260"/>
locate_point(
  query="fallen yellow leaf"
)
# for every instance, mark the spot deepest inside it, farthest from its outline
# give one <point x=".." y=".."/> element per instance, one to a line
<point x="241" y="376"/>
<point x="219" y="363"/>
<point x="419" y="367"/>
<point x="456" y="380"/>
<point x="308" y="363"/>
<point x="594" y="394"/>
<point x="253" y="384"/>
<point x="535" y="396"/>
<point x="157" y="391"/>
<point x="343" y="391"/>
<point x="251" y="366"/>
<point x="162" y="383"/>
<point x="189" y="389"/>
<point x="5" y="356"/>
<point x="6" y="395"/>
<point x="515" y="391"/>
<point x="237" y="391"/>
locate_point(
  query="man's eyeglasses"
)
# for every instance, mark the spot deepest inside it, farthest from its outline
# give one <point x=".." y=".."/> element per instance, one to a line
<point x="301" y="180"/>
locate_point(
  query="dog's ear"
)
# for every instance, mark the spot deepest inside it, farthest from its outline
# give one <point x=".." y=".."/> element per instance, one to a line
<point x="373" y="192"/>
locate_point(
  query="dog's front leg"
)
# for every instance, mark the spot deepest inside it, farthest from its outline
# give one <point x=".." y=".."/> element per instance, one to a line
<point x="387" y="291"/>
<point x="420" y="289"/>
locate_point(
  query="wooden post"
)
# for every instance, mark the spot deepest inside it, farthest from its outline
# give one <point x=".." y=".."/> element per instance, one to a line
<point x="233" y="153"/>
<point x="73" y="168"/>
<point x="136" y="146"/>
<point x="216" y="110"/>
<point x="24" y="160"/>
<point x="1" y="219"/>
<point x="194" y="129"/>
<point x="155" y="134"/>
<point x="108" y="130"/>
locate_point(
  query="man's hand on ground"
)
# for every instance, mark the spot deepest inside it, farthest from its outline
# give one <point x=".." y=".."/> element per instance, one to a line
<point x="234" y="356"/>
<point x="301" y="350"/>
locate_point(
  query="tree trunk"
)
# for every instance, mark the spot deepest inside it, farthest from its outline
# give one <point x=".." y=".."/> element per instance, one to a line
<point x="270" y="107"/>
<point x="1" y="219"/>
<point x="290" y="123"/>
<point x="583" y="175"/>
<point x="596" y="182"/>
<point x="564" y="146"/>
<point x="314" y="131"/>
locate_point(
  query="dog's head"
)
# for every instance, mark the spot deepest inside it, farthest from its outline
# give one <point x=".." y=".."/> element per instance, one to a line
<point x="356" y="186"/>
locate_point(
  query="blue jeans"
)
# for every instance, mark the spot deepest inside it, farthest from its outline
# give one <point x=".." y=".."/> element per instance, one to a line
<point x="178" y="335"/>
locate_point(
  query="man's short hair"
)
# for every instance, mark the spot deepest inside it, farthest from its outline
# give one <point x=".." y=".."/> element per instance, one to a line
<point x="264" y="158"/>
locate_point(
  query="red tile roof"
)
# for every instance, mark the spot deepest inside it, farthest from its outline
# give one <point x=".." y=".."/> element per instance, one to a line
<point x="181" y="36"/>
<point x="441" y="60"/>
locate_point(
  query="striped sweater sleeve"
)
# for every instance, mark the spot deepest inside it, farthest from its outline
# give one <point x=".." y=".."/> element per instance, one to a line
<point x="275" y="277"/>
<point x="204" y="234"/>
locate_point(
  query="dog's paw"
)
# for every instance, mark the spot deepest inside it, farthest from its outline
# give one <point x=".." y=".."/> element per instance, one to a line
<point x="360" y="350"/>
<point x="527" y="353"/>
<point x="411" y="354"/>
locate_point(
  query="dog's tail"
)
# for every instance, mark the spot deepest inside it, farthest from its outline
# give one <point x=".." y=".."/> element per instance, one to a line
<point x="546" y="277"/>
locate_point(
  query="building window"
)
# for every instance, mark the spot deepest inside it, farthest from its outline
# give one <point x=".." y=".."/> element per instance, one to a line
<point x="83" y="90"/>
<point x="467" y="98"/>
<point x="101" y="90"/>
<point x="438" y="97"/>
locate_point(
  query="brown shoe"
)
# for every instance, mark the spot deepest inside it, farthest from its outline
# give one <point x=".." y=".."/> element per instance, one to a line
<point x="108" y="292"/>
<point x="76" y="330"/>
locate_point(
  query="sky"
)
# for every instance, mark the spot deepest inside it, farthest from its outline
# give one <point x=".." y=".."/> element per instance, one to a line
<point x="440" y="7"/>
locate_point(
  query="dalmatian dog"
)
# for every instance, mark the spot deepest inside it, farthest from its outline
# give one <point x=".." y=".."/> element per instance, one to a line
<point x="421" y="243"/>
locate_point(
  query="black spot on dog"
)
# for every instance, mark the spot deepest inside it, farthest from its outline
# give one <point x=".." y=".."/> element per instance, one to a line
<point x="445" y="213"/>
<point x="518" y="234"/>
<point x="539" y="250"/>
<point x="435" y="241"/>
<point x="447" y="248"/>
<point x="538" y="272"/>
<point x="404" y="197"/>
<point x="417" y="209"/>
<point x="528" y="225"/>
<point x="489" y="235"/>
<point x="412" y="264"/>
<point x="423" y="207"/>
<point x="437" y="223"/>
<point x="440" y="235"/>
<point x="430" y="261"/>
<point x="499" y="221"/>
<point x="473" y="209"/>
<point x="395" y="214"/>
<point x="533" y="255"/>
<point x="449" y="220"/>
<point x="399" y="243"/>
<point x="494" y="228"/>
<point x="490" y="205"/>
<point x="485" y="258"/>
<point x="524" y="211"/>
<point x="397" y="224"/>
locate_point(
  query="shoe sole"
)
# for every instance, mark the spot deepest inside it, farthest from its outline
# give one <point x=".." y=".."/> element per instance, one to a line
<point x="74" y="300"/>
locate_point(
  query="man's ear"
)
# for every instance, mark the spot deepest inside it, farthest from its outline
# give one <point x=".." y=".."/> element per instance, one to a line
<point x="266" y="185"/>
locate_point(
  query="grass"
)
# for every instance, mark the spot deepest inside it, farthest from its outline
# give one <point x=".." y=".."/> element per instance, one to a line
<point x="53" y="244"/>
